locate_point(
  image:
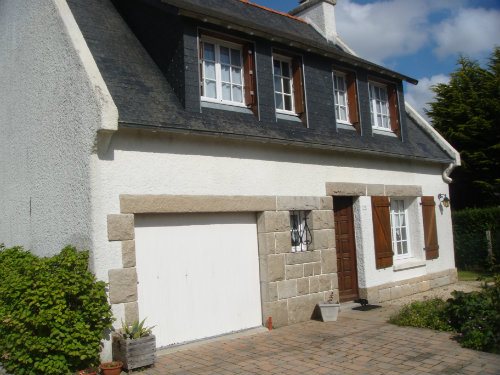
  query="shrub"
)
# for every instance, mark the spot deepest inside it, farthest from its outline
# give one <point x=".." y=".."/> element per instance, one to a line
<point x="53" y="312"/>
<point x="424" y="314"/>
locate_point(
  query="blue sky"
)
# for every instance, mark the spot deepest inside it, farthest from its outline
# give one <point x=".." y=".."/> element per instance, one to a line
<point x="419" y="38"/>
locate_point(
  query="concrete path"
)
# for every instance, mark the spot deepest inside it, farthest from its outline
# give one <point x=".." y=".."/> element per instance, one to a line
<point x="360" y="342"/>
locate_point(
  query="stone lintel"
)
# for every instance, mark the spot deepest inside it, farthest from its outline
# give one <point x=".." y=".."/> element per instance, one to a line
<point x="345" y="189"/>
<point x="294" y="203"/>
<point x="403" y="190"/>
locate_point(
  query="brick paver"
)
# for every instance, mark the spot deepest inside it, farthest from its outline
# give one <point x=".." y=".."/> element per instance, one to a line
<point x="358" y="343"/>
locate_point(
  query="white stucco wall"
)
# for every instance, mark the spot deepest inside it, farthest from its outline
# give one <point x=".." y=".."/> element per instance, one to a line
<point x="156" y="163"/>
<point x="52" y="102"/>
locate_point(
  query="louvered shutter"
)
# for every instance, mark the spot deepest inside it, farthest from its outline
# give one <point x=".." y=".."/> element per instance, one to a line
<point x="392" y="95"/>
<point x="250" y="79"/>
<point x="382" y="232"/>
<point x="202" y="84"/>
<point x="352" y="98"/>
<point x="298" y="89"/>
<point x="430" y="229"/>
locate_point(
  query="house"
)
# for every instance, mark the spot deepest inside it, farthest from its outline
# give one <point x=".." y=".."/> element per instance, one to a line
<point x="223" y="162"/>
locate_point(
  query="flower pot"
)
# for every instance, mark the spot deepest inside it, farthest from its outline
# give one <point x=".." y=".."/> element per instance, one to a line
<point x="329" y="311"/>
<point x="111" y="368"/>
<point x="88" y="371"/>
<point x="134" y="353"/>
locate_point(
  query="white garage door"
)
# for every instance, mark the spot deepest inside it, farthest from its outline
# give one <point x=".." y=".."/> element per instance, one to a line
<point x="198" y="274"/>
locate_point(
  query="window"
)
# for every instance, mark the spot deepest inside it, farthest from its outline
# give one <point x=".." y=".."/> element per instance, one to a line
<point x="227" y="71"/>
<point x="384" y="107"/>
<point x="399" y="229"/>
<point x="222" y="72"/>
<point x="289" y="86"/>
<point x="340" y="90"/>
<point x="299" y="231"/>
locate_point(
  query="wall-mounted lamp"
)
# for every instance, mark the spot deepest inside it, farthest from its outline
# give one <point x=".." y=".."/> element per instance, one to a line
<point x="444" y="200"/>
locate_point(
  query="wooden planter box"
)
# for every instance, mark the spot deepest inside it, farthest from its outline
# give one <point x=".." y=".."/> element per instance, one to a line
<point x="134" y="353"/>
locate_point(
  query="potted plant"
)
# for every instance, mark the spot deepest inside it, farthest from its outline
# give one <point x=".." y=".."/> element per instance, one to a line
<point x="329" y="309"/>
<point x="88" y="371"/>
<point x="111" y="368"/>
<point x="134" y="345"/>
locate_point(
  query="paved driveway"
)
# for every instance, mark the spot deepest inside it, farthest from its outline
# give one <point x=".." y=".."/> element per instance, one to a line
<point x="358" y="343"/>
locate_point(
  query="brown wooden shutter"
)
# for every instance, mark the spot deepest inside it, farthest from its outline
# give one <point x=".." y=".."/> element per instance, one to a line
<point x="352" y="98"/>
<point x="382" y="232"/>
<point x="430" y="229"/>
<point x="298" y="89"/>
<point x="202" y="84"/>
<point x="250" y="79"/>
<point x="392" y="95"/>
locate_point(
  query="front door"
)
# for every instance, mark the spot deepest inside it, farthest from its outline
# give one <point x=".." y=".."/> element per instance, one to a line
<point x="346" y="249"/>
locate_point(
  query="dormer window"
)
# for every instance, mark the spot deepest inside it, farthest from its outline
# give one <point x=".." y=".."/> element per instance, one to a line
<point x="346" y="99"/>
<point x="384" y="107"/>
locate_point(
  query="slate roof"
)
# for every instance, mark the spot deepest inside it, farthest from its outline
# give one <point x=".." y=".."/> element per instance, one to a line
<point x="145" y="99"/>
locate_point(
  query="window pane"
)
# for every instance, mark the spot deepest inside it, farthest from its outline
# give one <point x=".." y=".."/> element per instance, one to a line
<point x="405" y="248"/>
<point x="210" y="89"/>
<point x="341" y="100"/>
<point x="337" y="113"/>
<point x="209" y="70"/>
<point x="286" y="84"/>
<point x="279" y="101"/>
<point x="286" y="69"/>
<point x="288" y="102"/>
<point x="224" y="55"/>
<point x="235" y="57"/>
<point x="226" y="91"/>
<point x="208" y="51"/>
<point x="400" y="250"/>
<point x="343" y="114"/>
<point x="237" y="95"/>
<point x="277" y="67"/>
<point x="236" y="75"/>
<point x="225" y="75"/>
<point x="277" y="84"/>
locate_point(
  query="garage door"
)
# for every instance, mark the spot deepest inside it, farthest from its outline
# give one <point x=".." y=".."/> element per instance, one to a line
<point x="198" y="274"/>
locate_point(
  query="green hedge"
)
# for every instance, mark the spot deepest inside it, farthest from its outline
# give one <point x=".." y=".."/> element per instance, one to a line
<point x="469" y="227"/>
<point x="53" y="312"/>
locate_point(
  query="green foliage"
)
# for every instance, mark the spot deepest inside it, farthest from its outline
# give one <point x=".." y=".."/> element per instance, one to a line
<point x="469" y="227"/>
<point x="474" y="316"/>
<point x="136" y="330"/>
<point x="53" y="312"/>
<point x="423" y="314"/>
<point x="466" y="111"/>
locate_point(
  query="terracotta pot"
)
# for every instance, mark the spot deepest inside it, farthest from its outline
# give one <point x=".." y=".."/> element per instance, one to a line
<point x="111" y="368"/>
<point x="89" y="371"/>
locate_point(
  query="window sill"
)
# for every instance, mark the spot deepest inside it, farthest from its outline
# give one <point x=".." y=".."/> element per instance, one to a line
<point x="408" y="264"/>
<point x="345" y="125"/>
<point x="286" y="116"/>
<point x="226" y="107"/>
<point x="388" y="133"/>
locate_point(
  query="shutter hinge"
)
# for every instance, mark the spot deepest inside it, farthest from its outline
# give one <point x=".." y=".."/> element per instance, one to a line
<point x="252" y="93"/>
<point x="250" y="52"/>
<point x="250" y="72"/>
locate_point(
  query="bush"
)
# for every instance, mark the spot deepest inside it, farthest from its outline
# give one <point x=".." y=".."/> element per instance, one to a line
<point x="53" y="312"/>
<point x="423" y="314"/>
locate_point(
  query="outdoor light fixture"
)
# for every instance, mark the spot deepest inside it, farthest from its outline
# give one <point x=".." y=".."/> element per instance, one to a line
<point x="444" y="200"/>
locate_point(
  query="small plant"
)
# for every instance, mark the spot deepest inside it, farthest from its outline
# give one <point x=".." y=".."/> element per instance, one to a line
<point x="136" y="330"/>
<point x="429" y="313"/>
<point x="330" y="298"/>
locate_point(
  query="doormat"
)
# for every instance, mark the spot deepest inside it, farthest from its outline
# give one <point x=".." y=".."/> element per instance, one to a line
<point x="366" y="307"/>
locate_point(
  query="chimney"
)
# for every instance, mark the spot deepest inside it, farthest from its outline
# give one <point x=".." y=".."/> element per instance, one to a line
<point x="320" y="14"/>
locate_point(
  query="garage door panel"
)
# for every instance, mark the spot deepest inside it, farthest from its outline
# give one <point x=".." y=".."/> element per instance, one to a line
<point x="198" y="274"/>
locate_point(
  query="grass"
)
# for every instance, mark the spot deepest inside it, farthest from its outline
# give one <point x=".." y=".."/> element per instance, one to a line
<point x="474" y="276"/>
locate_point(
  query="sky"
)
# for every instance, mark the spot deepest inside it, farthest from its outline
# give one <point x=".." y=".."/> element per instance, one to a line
<point x="418" y="38"/>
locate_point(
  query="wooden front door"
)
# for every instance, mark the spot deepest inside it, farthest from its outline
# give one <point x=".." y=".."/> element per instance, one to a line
<point x="346" y="249"/>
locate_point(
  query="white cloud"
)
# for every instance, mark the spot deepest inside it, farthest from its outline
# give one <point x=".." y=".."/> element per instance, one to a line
<point x="418" y="96"/>
<point x="470" y="31"/>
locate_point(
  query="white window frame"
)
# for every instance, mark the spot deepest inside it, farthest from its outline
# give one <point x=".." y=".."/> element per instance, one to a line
<point x="299" y="231"/>
<point x="384" y="105"/>
<point x="341" y="93"/>
<point x="399" y="210"/>
<point x="218" y="72"/>
<point x="287" y="60"/>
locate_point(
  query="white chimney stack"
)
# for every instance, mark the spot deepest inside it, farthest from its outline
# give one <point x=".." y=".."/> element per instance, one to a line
<point x="320" y="14"/>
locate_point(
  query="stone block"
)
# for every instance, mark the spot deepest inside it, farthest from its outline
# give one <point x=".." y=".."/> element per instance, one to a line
<point x="294" y="271"/>
<point x="131" y="312"/>
<point x="122" y="285"/>
<point x="303" y="257"/>
<point x="383" y="295"/>
<point x="345" y="189"/>
<point x="300" y="309"/>
<point x="273" y="221"/>
<point x="328" y="261"/>
<point x="424" y="286"/>
<point x="325" y="282"/>
<point x="278" y="311"/>
<point x="335" y="280"/>
<point x="453" y="275"/>
<point x="326" y="203"/>
<point x="317" y="268"/>
<point x="440" y="281"/>
<point x="283" y="242"/>
<point x="297" y="203"/>
<point x="272" y="267"/>
<point x="371" y="294"/>
<point x="128" y="254"/>
<point x="403" y="190"/>
<point x="308" y="269"/>
<point x="321" y="219"/>
<point x="323" y="239"/>
<point x="287" y="289"/>
<point x="375" y="190"/>
<point x="266" y="243"/>
<point x="269" y="291"/>
<point x="314" y="284"/>
<point x="407" y="289"/>
<point x="120" y="227"/>
<point x="303" y="286"/>
<point x="396" y="292"/>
